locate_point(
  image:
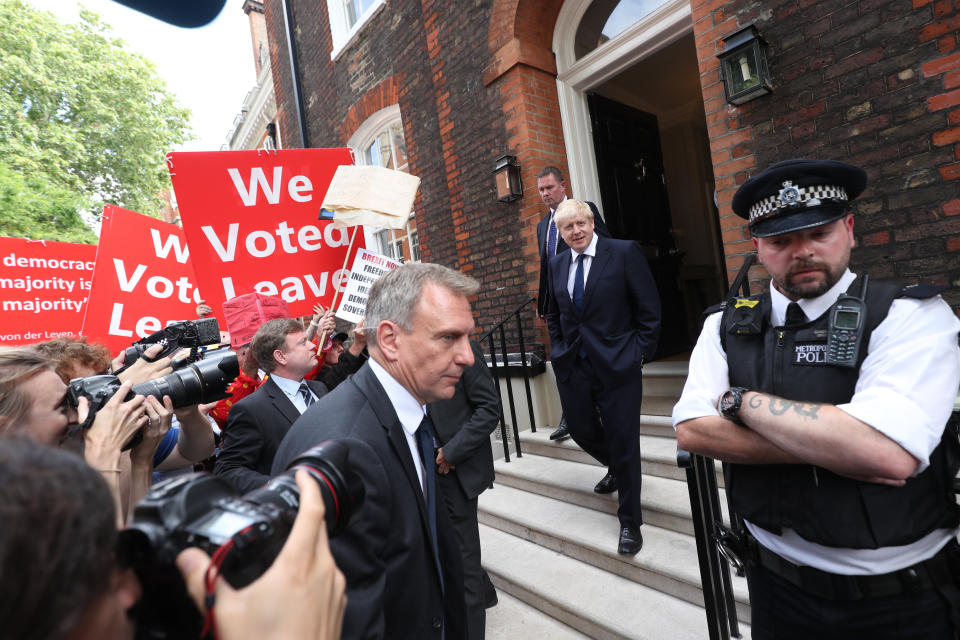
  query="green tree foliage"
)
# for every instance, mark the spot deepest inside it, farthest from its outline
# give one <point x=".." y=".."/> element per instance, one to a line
<point x="83" y="122"/>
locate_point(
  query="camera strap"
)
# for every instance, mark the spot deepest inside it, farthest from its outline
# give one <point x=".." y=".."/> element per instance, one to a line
<point x="78" y="427"/>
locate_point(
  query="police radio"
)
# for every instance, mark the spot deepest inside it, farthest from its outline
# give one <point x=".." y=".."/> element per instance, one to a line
<point x="845" y="333"/>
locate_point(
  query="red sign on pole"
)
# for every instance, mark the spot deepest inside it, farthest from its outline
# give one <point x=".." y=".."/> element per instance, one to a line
<point x="43" y="287"/>
<point x="251" y="219"/>
<point x="142" y="281"/>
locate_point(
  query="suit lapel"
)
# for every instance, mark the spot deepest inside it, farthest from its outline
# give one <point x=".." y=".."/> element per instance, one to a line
<point x="597" y="267"/>
<point x="281" y="401"/>
<point x="367" y="381"/>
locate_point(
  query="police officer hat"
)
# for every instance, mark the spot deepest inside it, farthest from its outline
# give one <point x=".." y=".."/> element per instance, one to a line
<point x="798" y="194"/>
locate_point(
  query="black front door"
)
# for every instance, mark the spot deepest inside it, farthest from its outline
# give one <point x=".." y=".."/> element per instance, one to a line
<point x="635" y="206"/>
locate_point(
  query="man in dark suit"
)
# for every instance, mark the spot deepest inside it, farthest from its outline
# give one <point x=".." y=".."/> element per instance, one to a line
<point x="257" y="424"/>
<point x="465" y="464"/>
<point x="604" y="319"/>
<point x="399" y="553"/>
<point x="553" y="191"/>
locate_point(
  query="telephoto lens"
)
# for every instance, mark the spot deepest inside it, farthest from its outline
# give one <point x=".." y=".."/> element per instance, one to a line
<point x="243" y="534"/>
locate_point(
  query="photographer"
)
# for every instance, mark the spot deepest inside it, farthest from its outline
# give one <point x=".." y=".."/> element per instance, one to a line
<point x="57" y="548"/>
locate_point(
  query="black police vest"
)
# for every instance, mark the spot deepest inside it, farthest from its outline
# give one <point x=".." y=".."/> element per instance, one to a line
<point x="819" y="505"/>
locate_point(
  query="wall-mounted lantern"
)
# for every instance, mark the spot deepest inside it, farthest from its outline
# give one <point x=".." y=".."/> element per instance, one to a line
<point x="507" y="173"/>
<point x="744" y="66"/>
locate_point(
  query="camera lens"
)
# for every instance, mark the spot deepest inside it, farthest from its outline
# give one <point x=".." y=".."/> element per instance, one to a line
<point x="327" y="463"/>
<point x="198" y="383"/>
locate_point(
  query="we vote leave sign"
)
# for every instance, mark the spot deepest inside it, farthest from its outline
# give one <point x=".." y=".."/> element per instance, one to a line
<point x="142" y="280"/>
<point x="251" y="219"/>
<point x="43" y="287"/>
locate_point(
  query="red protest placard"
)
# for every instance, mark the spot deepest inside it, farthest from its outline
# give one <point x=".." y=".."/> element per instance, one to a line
<point x="251" y="220"/>
<point x="142" y="281"/>
<point x="43" y="286"/>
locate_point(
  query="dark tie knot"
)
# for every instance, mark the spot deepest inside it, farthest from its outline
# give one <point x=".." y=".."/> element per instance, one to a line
<point x="795" y="315"/>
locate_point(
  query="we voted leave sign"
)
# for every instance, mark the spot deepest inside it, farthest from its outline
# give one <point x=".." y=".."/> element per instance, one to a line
<point x="43" y="288"/>
<point x="142" y="280"/>
<point x="251" y="220"/>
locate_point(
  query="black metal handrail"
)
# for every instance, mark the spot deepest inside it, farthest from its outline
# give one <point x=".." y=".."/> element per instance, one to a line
<point x="708" y="527"/>
<point x="524" y="367"/>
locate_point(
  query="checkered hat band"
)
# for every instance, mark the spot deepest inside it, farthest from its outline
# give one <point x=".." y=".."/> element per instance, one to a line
<point x="771" y="204"/>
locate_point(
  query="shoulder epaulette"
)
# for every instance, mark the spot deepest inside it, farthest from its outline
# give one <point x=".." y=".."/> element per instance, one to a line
<point x="921" y="290"/>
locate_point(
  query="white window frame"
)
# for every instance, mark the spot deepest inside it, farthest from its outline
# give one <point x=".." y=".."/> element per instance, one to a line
<point x="342" y="34"/>
<point x="359" y="142"/>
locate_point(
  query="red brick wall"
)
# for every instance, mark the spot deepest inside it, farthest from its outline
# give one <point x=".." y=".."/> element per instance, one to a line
<point x="428" y="57"/>
<point x="875" y="83"/>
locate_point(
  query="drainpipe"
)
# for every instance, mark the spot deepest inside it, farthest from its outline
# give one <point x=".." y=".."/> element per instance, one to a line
<point x="289" y="23"/>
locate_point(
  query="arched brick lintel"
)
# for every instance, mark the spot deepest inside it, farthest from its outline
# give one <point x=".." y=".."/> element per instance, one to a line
<point x="379" y="97"/>
<point x="521" y="32"/>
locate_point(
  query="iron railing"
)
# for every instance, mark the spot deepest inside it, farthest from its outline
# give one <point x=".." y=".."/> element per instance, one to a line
<point x="502" y="367"/>
<point x="711" y="534"/>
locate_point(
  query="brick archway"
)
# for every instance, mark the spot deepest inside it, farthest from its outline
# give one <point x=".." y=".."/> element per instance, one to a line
<point x="383" y="95"/>
<point x="522" y="65"/>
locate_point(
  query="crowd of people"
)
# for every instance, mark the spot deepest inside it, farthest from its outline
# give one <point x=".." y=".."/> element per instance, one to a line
<point x="834" y="419"/>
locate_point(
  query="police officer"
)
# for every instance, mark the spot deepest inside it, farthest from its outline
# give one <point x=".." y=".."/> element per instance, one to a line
<point x="829" y="396"/>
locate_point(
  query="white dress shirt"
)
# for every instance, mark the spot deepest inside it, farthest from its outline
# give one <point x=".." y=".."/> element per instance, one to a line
<point x="556" y="232"/>
<point x="588" y="255"/>
<point x="291" y="388"/>
<point x="906" y="389"/>
<point x="409" y="411"/>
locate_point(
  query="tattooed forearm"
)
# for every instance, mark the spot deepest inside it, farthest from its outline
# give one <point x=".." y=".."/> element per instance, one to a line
<point x="779" y="406"/>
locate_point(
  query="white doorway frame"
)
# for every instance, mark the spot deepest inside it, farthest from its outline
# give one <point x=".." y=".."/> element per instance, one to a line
<point x="575" y="77"/>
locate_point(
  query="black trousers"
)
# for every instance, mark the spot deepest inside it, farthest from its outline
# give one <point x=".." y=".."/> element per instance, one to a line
<point x="463" y="515"/>
<point x="615" y="442"/>
<point x="783" y="611"/>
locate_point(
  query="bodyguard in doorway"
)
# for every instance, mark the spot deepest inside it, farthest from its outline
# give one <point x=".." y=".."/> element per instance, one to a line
<point x="553" y="190"/>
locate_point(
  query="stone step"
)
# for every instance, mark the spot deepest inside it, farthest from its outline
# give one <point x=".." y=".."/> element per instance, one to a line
<point x="512" y="618"/>
<point x="666" y="502"/>
<point x="667" y="562"/>
<point x="659" y="455"/>
<point x="593" y="601"/>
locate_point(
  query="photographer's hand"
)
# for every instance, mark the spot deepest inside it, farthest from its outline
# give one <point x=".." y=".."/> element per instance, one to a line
<point x="141" y="370"/>
<point x="302" y="595"/>
<point x="160" y="418"/>
<point x="112" y="428"/>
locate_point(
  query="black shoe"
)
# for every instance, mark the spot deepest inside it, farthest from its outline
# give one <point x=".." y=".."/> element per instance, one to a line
<point x="630" y="541"/>
<point x="607" y="485"/>
<point x="561" y="431"/>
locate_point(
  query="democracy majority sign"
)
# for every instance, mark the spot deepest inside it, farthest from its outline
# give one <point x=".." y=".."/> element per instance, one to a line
<point x="43" y="287"/>
<point x="142" y="280"/>
<point x="251" y="219"/>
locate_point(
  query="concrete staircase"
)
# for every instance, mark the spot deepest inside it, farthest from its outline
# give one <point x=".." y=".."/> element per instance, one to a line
<point x="549" y="542"/>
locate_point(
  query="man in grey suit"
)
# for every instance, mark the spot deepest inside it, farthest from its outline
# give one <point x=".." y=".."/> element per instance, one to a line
<point x="399" y="553"/>
<point x="465" y="464"/>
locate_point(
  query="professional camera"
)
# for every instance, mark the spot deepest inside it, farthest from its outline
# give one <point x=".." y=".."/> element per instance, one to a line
<point x="243" y="535"/>
<point x="202" y="381"/>
<point x="189" y="334"/>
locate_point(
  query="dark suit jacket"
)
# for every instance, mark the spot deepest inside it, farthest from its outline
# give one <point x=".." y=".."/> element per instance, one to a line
<point x="620" y="322"/>
<point x="386" y="553"/>
<point x="255" y="427"/>
<point x="543" y="293"/>
<point x="464" y="424"/>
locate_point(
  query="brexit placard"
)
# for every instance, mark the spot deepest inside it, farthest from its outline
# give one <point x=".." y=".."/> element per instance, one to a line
<point x="142" y="281"/>
<point x="367" y="269"/>
<point x="43" y="287"/>
<point x="252" y="221"/>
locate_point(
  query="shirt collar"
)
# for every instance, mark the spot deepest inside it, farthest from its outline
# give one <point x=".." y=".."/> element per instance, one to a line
<point x="554" y="210"/>
<point x="591" y="249"/>
<point x="409" y="411"/>
<point x="288" y="386"/>
<point x="812" y="307"/>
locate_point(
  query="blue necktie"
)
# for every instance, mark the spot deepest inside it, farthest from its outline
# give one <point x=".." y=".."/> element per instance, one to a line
<point x="426" y="445"/>
<point x="308" y="398"/>
<point x="578" y="284"/>
<point x="551" y="239"/>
